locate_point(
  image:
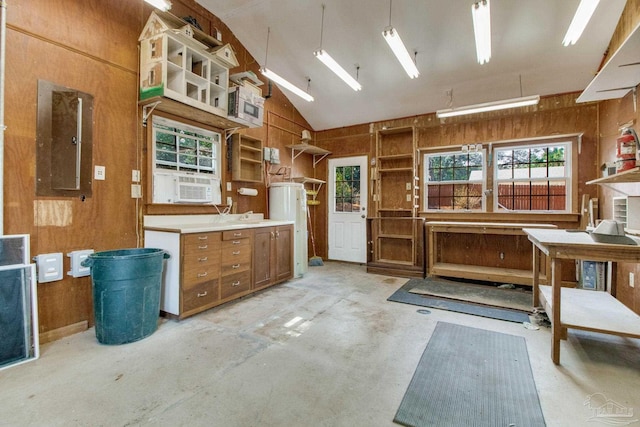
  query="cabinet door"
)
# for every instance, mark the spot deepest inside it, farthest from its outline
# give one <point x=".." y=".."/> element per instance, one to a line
<point x="262" y="259"/>
<point x="284" y="252"/>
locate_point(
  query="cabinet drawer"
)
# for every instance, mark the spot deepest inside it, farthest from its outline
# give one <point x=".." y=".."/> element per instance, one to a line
<point x="201" y="260"/>
<point x="236" y="234"/>
<point x="235" y="283"/>
<point x="200" y="295"/>
<point x="202" y="240"/>
<point x="199" y="274"/>
<point x="235" y="254"/>
<point x="236" y="267"/>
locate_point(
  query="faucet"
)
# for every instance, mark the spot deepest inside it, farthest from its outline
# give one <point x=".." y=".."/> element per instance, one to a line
<point x="246" y="215"/>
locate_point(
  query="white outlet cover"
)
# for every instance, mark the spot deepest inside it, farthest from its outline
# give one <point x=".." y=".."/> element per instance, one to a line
<point x="99" y="173"/>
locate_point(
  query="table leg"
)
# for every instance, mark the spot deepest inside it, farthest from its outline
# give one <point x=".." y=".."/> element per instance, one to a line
<point x="536" y="276"/>
<point x="556" y="326"/>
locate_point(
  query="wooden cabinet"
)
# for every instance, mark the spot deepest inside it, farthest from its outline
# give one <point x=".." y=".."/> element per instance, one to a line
<point x="272" y="255"/>
<point x="396" y="246"/>
<point x="246" y="158"/>
<point x="211" y="268"/>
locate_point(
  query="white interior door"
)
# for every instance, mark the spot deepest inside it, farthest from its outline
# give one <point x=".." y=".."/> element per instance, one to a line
<point x="347" y="207"/>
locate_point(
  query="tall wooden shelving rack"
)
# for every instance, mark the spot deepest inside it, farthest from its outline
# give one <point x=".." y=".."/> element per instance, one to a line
<point x="395" y="233"/>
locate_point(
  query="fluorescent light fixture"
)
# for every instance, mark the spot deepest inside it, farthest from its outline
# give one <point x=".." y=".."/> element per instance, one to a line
<point x="163" y="5"/>
<point x="482" y="30"/>
<point x="395" y="43"/>
<point x="489" y="106"/>
<point x="284" y="83"/>
<point x="327" y="60"/>
<point x="580" y="21"/>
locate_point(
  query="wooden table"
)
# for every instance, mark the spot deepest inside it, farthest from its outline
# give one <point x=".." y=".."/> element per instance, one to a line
<point x="520" y="275"/>
<point x="581" y="309"/>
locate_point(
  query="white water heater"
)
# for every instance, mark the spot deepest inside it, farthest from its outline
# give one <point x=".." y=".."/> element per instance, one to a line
<point x="288" y="202"/>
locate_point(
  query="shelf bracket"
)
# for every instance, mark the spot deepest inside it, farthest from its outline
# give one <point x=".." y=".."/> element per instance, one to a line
<point x="315" y="162"/>
<point x="147" y="110"/>
<point x="230" y="132"/>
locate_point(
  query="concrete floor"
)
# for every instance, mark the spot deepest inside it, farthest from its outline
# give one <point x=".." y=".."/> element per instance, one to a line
<point x="324" y="350"/>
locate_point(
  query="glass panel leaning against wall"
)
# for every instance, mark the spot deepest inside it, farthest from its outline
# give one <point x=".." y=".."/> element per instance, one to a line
<point x="506" y="176"/>
<point x="187" y="163"/>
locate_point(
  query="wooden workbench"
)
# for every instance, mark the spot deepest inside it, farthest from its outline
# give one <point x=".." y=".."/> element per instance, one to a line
<point x="437" y="266"/>
<point x="581" y="309"/>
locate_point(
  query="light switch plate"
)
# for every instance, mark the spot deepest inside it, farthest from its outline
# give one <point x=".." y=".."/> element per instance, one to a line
<point x="135" y="175"/>
<point x="99" y="173"/>
<point x="136" y="191"/>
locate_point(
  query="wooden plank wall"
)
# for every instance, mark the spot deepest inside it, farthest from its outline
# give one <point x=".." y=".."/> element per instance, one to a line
<point x="92" y="46"/>
<point x="556" y="115"/>
<point x="79" y="45"/>
<point x="614" y="114"/>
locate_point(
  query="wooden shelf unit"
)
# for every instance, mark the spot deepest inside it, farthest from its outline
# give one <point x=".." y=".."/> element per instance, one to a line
<point x="246" y="158"/>
<point x="396" y="246"/>
<point x="395" y="175"/>
<point x="395" y="233"/>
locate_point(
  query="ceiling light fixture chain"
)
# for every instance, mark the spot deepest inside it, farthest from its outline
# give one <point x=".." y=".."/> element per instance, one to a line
<point x="266" y="51"/>
<point x="322" y="26"/>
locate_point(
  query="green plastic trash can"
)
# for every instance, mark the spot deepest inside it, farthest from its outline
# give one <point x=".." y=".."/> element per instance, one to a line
<point x="126" y="293"/>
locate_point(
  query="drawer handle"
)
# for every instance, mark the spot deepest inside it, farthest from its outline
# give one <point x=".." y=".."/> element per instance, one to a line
<point x="236" y="283"/>
<point x="204" y="294"/>
<point x="237" y="234"/>
<point x="203" y="259"/>
<point x="202" y="274"/>
<point x="235" y="266"/>
<point x="235" y="242"/>
<point x="203" y="247"/>
<point x="235" y="253"/>
<point x="203" y="237"/>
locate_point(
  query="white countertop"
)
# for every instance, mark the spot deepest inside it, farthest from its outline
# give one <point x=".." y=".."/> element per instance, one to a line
<point x="207" y="223"/>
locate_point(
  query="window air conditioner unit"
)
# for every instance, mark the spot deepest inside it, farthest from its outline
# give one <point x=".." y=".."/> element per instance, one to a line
<point x="172" y="187"/>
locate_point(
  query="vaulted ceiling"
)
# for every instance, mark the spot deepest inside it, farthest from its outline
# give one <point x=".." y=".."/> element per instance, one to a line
<point x="528" y="57"/>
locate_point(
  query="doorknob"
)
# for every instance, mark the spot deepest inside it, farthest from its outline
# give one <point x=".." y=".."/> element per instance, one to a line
<point x="363" y="216"/>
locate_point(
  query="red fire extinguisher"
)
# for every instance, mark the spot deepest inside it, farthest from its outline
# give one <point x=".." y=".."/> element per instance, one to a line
<point x="627" y="150"/>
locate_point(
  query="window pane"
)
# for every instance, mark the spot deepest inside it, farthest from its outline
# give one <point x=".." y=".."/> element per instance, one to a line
<point x="523" y="178"/>
<point x="461" y="168"/>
